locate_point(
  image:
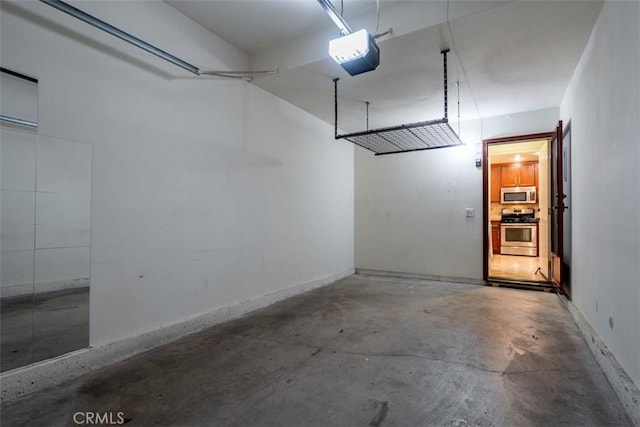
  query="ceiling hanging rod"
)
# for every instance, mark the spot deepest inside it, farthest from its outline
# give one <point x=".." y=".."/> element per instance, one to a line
<point x="443" y="52"/>
<point x="446" y="86"/>
<point x="404" y="138"/>
<point x="116" y="32"/>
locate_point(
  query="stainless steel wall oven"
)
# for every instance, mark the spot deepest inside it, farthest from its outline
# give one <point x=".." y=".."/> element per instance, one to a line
<point x="518" y="239"/>
<point x="519" y="232"/>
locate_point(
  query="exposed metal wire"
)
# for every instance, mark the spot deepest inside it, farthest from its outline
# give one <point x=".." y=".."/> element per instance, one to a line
<point x="378" y="35"/>
<point x="464" y="70"/>
<point x="458" y="87"/>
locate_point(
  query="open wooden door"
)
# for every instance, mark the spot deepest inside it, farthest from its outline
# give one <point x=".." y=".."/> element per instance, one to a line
<point x="557" y="209"/>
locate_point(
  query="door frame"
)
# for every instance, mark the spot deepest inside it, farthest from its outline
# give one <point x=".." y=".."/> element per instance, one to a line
<point x="567" y="216"/>
<point x="558" y="207"/>
<point x="485" y="188"/>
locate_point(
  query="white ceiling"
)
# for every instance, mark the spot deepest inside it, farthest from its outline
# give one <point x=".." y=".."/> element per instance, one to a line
<point x="526" y="151"/>
<point x="517" y="56"/>
<point x="254" y="25"/>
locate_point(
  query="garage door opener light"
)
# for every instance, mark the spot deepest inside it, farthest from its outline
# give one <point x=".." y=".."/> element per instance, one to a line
<point x="356" y="52"/>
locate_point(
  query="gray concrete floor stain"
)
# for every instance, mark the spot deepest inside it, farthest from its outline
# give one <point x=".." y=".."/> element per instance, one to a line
<point x="363" y="351"/>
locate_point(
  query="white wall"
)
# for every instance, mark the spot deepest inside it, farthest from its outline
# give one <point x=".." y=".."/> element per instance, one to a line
<point x="602" y="103"/>
<point x="63" y="214"/>
<point x="206" y="192"/>
<point x="410" y="208"/>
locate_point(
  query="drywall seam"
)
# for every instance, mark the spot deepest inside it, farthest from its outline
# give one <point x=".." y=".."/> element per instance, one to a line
<point x="26" y="380"/>
<point x="627" y="391"/>
<point x="454" y="279"/>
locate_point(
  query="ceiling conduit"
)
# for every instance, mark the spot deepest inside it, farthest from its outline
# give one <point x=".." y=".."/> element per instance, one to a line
<point x="116" y="32"/>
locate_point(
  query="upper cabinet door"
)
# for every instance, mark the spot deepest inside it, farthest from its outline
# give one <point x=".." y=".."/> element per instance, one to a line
<point x="509" y="175"/>
<point x="528" y="174"/>
<point x="519" y="174"/>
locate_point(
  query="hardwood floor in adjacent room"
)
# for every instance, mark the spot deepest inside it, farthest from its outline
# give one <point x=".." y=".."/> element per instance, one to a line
<point x="515" y="267"/>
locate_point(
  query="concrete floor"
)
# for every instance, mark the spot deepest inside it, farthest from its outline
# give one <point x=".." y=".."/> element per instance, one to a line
<point x="41" y="326"/>
<point x="362" y="351"/>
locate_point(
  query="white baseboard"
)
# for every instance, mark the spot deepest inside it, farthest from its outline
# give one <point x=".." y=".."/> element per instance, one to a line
<point x="454" y="279"/>
<point x="38" y="376"/>
<point x="625" y="388"/>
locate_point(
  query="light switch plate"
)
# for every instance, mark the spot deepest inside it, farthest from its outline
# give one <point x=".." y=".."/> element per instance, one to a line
<point x="469" y="212"/>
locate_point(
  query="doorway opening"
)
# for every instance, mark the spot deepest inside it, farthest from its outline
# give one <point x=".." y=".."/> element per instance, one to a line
<point x="517" y="187"/>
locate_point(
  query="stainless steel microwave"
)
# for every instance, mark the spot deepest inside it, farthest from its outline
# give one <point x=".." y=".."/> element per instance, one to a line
<point x="517" y="195"/>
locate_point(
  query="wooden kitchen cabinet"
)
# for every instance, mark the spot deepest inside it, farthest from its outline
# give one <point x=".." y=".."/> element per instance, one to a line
<point x="495" y="236"/>
<point x="509" y="175"/>
<point x="496" y="183"/>
<point x="529" y="174"/>
<point x="519" y="174"/>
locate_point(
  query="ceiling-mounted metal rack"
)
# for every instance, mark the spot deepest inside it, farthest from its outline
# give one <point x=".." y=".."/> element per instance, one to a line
<point x="418" y="136"/>
<point x="114" y="31"/>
